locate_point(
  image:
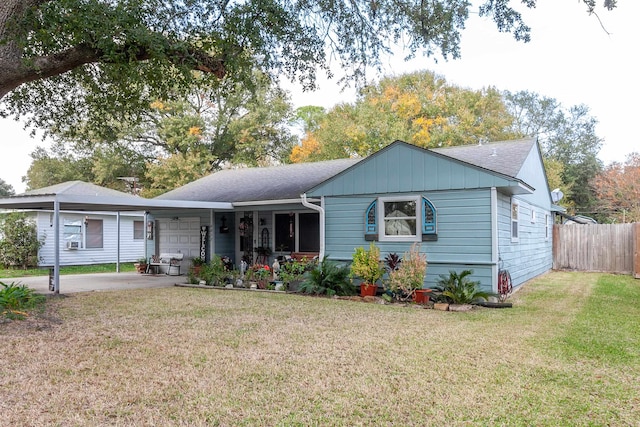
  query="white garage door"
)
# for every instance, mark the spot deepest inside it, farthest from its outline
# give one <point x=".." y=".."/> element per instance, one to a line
<point x="179" y="236"/>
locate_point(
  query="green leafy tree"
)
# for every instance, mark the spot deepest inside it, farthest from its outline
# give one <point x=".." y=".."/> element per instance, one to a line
<point x="64" y="61"/>
<point x="56" y="166"/>
<point x="419" y="108"/>
<point x="567" y="137"/>
<point x="177" y="141"/>
<point x="19" y="244"/>
<point x="6" y="189"/>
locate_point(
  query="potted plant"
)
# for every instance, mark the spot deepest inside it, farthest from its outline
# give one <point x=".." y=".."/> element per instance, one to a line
<point x="457" y="289"/>
<point x="141" y="265"/>
<point x="407" y="280"/>
<point x="196" y="265"/>
<point x="367" y="266"/>
<point x="292" y="272"/>
<point x="262" y="274"/>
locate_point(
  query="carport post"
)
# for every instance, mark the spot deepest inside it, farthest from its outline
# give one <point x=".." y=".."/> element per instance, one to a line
<point x="56" y="246"/>
<point x="118" y="243"/>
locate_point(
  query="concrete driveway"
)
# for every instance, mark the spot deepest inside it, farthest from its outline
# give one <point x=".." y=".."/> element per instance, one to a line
<point x="99" y="282"/>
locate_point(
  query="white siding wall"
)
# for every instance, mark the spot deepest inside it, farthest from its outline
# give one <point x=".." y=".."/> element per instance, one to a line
<point x="130" y="249"/>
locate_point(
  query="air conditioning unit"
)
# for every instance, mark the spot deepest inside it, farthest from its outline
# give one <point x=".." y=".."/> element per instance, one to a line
<point x="73" y="245"/>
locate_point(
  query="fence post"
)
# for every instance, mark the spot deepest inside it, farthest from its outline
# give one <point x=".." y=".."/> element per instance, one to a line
<point x="636" y="250"/>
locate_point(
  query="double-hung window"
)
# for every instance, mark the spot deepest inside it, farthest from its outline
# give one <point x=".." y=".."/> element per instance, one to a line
<point x="94" y="239"/>
<point x="138" y="230"/>
<point x="400" y="219"/>
<point x="515" y="223"/>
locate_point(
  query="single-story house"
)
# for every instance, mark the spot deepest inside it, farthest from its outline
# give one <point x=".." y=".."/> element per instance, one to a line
<point x="88" y="237"/>
<point x="480" y="207"/>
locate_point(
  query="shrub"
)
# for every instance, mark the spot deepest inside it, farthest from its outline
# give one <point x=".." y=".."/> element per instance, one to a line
<point x="19" y="245"/>
<point x="328" y="278"/>
<point x="15" y="298"/>
<point x="366" y="264"/>
<point x="214" y="273"/>
<point x="409" y="274"/>
<point x="459" y="289"/>
<point x="294" y="270"/>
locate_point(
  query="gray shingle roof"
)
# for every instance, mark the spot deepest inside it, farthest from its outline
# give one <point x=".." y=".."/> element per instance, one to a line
<point x="258" y="184"/>
<point x="290" y="181"/>
<point x="77" y="188"/>
<point x="505" y="157"/>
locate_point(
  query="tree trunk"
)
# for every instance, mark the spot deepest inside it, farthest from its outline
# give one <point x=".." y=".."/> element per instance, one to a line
<point x="13" y="71"/>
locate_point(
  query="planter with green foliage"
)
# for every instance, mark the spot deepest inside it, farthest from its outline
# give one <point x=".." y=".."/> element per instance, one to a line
<point x="292" y="273"/>
<point x="196" y="266"/>
<point x="141" y="265"/>
<point x="367" y="266"/>
<point x="407" y="278"/>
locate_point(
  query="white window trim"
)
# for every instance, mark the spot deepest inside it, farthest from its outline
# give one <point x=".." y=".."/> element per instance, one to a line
<point x="515" y="203"/>
<point x="547" y="232"/>
<point x="533" y="216"/>
<point x="381" y="222"/>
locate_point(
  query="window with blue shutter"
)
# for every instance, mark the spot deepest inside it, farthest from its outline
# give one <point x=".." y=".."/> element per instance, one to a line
<point x="408" y="217"/>
<point x="371" y="224"/>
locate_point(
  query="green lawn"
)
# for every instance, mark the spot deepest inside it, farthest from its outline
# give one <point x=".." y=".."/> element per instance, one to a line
<point x="73" y="269"/>
<point x="566" y="354"/>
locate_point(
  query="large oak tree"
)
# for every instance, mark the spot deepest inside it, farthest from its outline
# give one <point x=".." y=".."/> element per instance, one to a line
<point x="61" y="60"/>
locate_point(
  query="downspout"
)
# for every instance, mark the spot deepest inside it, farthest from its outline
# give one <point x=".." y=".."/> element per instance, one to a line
<point x="495" y="251"/>
<point x="320" y="210"/>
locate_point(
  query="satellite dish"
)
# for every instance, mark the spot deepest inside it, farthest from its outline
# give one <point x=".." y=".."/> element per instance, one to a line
<point x="556" y="195"/>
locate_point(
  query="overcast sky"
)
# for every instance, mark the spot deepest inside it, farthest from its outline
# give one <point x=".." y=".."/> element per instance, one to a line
<point x="570" y="58"/>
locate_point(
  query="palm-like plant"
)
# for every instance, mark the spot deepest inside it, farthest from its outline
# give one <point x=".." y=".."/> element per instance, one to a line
<point x="458" y="288"/>
<point x="328" y="278"/>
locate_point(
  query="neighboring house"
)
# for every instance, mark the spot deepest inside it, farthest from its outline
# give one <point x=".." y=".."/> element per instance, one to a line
<point x="472" y="207"/>
<point x="88" y="237"/>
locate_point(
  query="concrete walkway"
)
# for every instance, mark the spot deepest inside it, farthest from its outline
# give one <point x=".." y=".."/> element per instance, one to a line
<point x="70" y="283"/>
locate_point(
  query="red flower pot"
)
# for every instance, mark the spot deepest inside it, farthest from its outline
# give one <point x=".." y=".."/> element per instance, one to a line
<point x="421" y="296"/>
<point x="367" y="289"/>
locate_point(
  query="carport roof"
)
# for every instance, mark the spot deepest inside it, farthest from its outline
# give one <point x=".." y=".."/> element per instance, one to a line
<point x="83" y="196"/>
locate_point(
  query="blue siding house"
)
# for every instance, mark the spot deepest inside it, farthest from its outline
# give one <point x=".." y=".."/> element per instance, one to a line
<point x="478" y="207"/>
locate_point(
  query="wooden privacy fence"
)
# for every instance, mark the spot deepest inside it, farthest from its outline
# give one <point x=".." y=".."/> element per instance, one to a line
<point x="611" y="248"/>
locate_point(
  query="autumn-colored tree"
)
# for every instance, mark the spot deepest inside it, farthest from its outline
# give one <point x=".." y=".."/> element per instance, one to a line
<point x="419" y="108"/>
<point x="618" y="191"/>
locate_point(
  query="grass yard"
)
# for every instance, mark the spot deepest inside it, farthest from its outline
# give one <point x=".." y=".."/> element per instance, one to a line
<point x="67" y="269"/>
<point x="567" y="353"/>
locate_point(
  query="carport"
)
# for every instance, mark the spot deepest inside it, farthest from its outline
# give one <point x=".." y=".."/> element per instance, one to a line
<point x="94" y="202"/>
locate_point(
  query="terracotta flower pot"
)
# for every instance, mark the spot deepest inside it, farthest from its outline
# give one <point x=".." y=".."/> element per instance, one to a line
<point x="367" y="289"/>
<point x="421" y="296"/>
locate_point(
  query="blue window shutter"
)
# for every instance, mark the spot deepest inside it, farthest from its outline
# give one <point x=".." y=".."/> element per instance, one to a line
<point x="371" y="220"/>
<point x="428" y="217"/>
